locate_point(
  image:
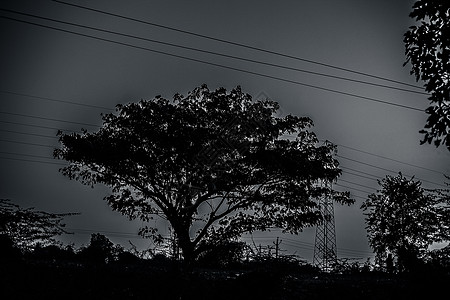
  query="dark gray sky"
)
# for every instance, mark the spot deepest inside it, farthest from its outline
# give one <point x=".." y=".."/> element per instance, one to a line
<point x="375" y="139"/>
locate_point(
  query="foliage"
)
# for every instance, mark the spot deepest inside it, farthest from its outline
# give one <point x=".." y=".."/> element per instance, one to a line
<point x="402" y="219"/>
<point x="100" y="250"/>
<point x="351" y="266"/>
<point x="27" y="227"/>
<point x="442" y="197"/>
<point x="225" y="254"/>
<point x="214" y="164"/>
<point x="440" y="258"/>
<point x="428" y="51"/>
<point x="54" y="252"/>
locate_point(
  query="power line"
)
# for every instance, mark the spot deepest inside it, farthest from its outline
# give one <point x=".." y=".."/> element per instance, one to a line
<point x="347" y="187"/>
<point x="30" y="134"/>
<point x="54" y="100"/>
<point x="46" y="136"/>
<point x="299" y="246"/>
<point x="355" y="189"/>
<point x="379" y="156"/>
<point x="361" y="176"/>
<point x="287" y="241"/>
<point x="388" y="158"/>
<point x="310" y="246"/>
<point x="209" y="52"/>
<point x="219" y="65"/>
<point x="388" y="170"/>
<point x="360" y="197"/>
<point x="112" y="233"/>
<point x="377" y="178"/>
<point x="358" y="171"/>
<point x="354" y="254"/>
<point x="27" y="155"/>
<point x="30" y="125"/>
<point x="30" y="160"/>
<point x="33" y="161"/>
<point x="354" y="250"/>
<point x="371" y="165"/>
<point x="26" y="143"/>
<point x="360" y="185"/>
<point x="340" y="145"/>
<point x="237" y="44"/>
<point x="363" y="163"/>
<point x="47" y="119"/>
<point x="302" y="243"/>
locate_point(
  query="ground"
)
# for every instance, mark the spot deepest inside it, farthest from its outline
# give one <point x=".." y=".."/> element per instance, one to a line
<point x="50" y="280"/>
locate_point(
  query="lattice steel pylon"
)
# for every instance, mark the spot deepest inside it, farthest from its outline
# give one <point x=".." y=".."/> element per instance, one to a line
<point x="325" y="252"/>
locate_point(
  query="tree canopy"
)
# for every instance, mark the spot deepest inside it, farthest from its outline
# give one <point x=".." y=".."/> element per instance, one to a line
<point x="214" y="164"/>
<point x="427" y="48"/>
<point x="403" y="219"/>
<point x="99" y="251"/>
<point x="26" y="227"/>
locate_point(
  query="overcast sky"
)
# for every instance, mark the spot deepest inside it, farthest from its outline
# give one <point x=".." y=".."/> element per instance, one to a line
<point x="375" y="138"/>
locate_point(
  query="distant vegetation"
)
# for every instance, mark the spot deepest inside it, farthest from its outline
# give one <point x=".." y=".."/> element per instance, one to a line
<point x="104" y="270"/>
<point x="402" y="218"/>
<point x="234" y="270"/>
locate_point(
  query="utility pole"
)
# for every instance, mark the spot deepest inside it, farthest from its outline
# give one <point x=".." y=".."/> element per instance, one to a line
<point x="325" y="253"/>
<point x="277" y="247"/>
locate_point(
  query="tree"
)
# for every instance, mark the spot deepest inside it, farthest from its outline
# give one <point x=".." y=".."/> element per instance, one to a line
<point x="428" y="50"/>
<point x="214" y="164"/>
<point x="442" y="197"/>
<point x="440" y="258"/>
<point x="100" y="250"/>
<point x="228" y="253"/>
<point x="27" y="227"/>
<point x="402" y="219"/>
<point x="54" y="253"/>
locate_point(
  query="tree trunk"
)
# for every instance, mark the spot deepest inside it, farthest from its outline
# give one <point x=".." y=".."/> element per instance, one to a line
<point x="186" y="245"/>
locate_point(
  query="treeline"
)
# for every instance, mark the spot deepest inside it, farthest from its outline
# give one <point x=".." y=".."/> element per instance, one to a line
<point x="101" y="252"/>
<point x="232" y="269"/>
<point x="229" y="256"/>
<point x="103" y="270"/>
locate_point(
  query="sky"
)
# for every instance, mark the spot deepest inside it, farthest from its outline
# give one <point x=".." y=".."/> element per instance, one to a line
<point x="53" y="79"/>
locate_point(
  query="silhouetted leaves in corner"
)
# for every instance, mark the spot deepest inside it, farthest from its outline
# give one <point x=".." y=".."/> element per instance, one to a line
<point x="427" y="48"/>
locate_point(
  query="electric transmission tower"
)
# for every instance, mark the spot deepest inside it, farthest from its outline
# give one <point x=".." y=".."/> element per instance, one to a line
<point x="325" y="253"/>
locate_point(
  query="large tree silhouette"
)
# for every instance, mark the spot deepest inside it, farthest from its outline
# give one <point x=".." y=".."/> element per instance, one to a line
<point x="214" y="164"/>
<point x="428" y="51"/>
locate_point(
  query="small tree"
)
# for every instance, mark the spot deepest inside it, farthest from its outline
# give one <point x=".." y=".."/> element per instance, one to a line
<point x="27" y="227"/>
<point x="226" y="254"/>
<point x="214" y="164"/>
<point x="99" y="251"/>
<point x="402" y="219"/>
<point x="428" y="50"/>
<point x="440" y="258"/>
